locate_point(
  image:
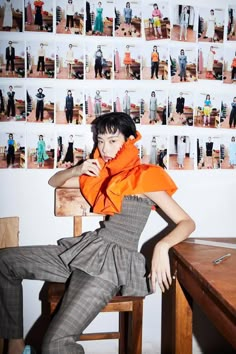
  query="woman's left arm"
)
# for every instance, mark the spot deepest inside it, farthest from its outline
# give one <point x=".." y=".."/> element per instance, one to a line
<point x="160" y="268"/>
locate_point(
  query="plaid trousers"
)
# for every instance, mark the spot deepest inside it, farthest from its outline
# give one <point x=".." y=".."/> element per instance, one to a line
<point x="84" y="298"/>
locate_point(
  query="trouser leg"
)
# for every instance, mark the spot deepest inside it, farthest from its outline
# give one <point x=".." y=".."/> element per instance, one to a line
<point x="16" y="264"/>
<point x="85" y="297"/>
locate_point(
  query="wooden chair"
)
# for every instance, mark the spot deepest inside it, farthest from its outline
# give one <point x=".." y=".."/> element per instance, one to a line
<point x="69" y="202"/>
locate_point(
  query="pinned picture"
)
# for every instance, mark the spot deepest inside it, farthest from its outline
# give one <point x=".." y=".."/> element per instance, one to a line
<point x="99" y="18"/>
<point x="12" y="148"/>
<point x="180" y="110"/>
<point x="129" y="102"/>
<point x="70" y="61"/>
<point x="12" y="103"/>
<point x="40" y="59"/>
<point x="154" y="150"/>
<point x="210" y="62"/>
<point x="228" y="112"/>
<point x="70" y="17"/>
<point x="228" y="152"/>
<point x="207" y="108"/>
<point x="40" y="104"/>
<point x="211" y="25"/>
<point x="69" y="106"/>
<point x="183" y="65"/>
<point x="181" y="152"/>
<point x="128" y="18"/>
<point x="127" y="61"/>
<point x="155" y="62"/>
<point x="156" y="18"/>
<point x="154" y="107"/>
<point x="12" y="59"/>
<point x="231" y="27"/>
<point x="39" y="16"/>
<point x="97" y="102"/>
<point x="184" y="23"/>
<point x="11" y="16"/>
<point x="208" y="152"/>
<point x="98" y="61"/>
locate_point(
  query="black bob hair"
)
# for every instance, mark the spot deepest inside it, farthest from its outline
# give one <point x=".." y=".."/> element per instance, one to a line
<point x="113" y="122"/>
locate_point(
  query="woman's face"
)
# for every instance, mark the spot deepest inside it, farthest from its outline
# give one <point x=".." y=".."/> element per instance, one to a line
<point x="109" y="144"/>
<point x="182" y="52"/>
<point x="10" y="136"/>
<point x="233" y="139"/>
<point x="208" y="97"/>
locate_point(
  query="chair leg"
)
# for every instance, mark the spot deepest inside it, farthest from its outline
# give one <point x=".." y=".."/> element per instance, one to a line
<point x="124" y="332"/>
<point x="136" y="324"/>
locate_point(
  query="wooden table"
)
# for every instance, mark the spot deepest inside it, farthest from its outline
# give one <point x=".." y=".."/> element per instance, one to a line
<point x="212" y="287"/>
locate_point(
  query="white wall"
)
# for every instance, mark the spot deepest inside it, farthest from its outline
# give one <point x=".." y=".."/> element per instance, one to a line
<point x="208" y="196"/>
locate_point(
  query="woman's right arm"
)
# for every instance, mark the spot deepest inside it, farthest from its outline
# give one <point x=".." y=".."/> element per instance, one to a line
<point x="69" y="178"/>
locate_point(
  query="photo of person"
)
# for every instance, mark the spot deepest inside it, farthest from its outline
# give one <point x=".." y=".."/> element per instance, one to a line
<point x="97" y="102"/>
<point x="69" y="61"/>
<point x="12" y="59"/>
<point x="184" y="23"/>
<point x="181" y="152"/>
<point x="99" y="18"/>
<point x="154" y="150"/>
<point x="208" y="152"/>
<point x="11" y="16"/>
<point x="40" y="104"/>
<point x="180" y="108"/>
<point x="211" y="25"/>
<point x="154" y="105"/>
<point x="42" y="59"/>
<point x="12" y="103"/>
<point x="155" y="62"/>
<point x="128" y="59"/>
<point x="156" y="19"/>
<point x="183" y="64"/>
<point x="231" y="25"/>
<point x="71" y="148"/>
<point x="39" y="16"/>
<point x="228" y="111"/>
<point x="229" y="65"/>
<point x="228" y="152"/>
<point x="40" y="149"/>
<point x="70" y="17"/>
<point x="207" y="108"/>
<point x="129" y="102"/>
<point x="210" y="62"/>
<point x="69" y="106"/>
<point x="128" y="19"/>
<point x="12" y="148"/>
<point x="98" y="61"/>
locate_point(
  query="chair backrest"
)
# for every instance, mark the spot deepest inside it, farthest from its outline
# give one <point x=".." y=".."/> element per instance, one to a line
<point x="70" y="202"/>
<point x="9" y="232"/>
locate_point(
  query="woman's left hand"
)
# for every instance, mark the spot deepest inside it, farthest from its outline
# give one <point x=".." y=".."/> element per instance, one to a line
<point x="160" y="269"/>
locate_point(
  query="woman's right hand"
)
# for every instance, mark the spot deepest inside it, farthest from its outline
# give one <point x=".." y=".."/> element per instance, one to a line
<point x="89" y="167"/>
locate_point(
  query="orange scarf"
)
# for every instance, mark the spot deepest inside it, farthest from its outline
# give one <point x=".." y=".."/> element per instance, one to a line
<point x="123" y="175"/>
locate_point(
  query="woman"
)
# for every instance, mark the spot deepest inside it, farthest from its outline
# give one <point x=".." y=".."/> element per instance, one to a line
<point x="11" y="144"/>
<point x="97" y="104"/>
<point x="41" y="152"/>
<point x="106" y="260"/>
<point x="154" y="62"/>
<point x="98" y="25"/>
<point x="180" y="104"/>
<point x="11" y="108"/>
<point x="69" y="158"/>
<point x="207" y="111"/>
<point x="210" y="33"/>
<point x="184" y="18"/>
<point x="69" y="106"/>
<point x="153" y="108"/>
<point x="232" y="116"/>
<point x="38" y="19"/>
<point x="156" y="20"/>
<point x="41" y="59"/>
<point x="181" y="152"/>
<point x="8" y="17"/>
<point x="127" y="61"/>
<point x="232" y="152"/>
<point x="127" y="14"/>
<point x="182" y="65"/>
<point x="70" y="11"/>
<point x="39" y="105"/>
<point x="210" y="64"/>
<point x="70" y="60"/>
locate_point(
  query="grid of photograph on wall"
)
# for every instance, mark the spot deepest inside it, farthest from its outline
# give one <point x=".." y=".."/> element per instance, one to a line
<point x="171" y="65"/>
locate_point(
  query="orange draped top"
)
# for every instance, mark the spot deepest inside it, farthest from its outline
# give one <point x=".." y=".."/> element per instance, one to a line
<point x="121" y="176"/>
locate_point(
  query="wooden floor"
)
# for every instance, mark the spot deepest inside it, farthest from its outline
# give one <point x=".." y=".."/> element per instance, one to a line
<point x="121" y="75"/>
<point x="61" y="28"/>
<point x="127" y="31"/>
<point x="17" y="118"/>
<point x="146" y="74"/>
<point x="175" y="33"/>
<point x="202" y="39"/>
<point x="32" y="163"/>
<point x="90" y="75"/>
<point x="61" y="118"/>
<point x="227" y="78"/>
<point x="177" y="119"/>
<point x="173" y="165"/>
<point x="189" y="77"/>
<point x="202" y="76"/>
<point x="64" y="74"/>
<point x="38" y="74"/>
<point x="145" y="119"/>
<point x="46" y="117"/>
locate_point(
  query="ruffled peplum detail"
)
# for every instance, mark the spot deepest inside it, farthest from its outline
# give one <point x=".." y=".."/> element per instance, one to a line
<point x="110" y="252"/>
